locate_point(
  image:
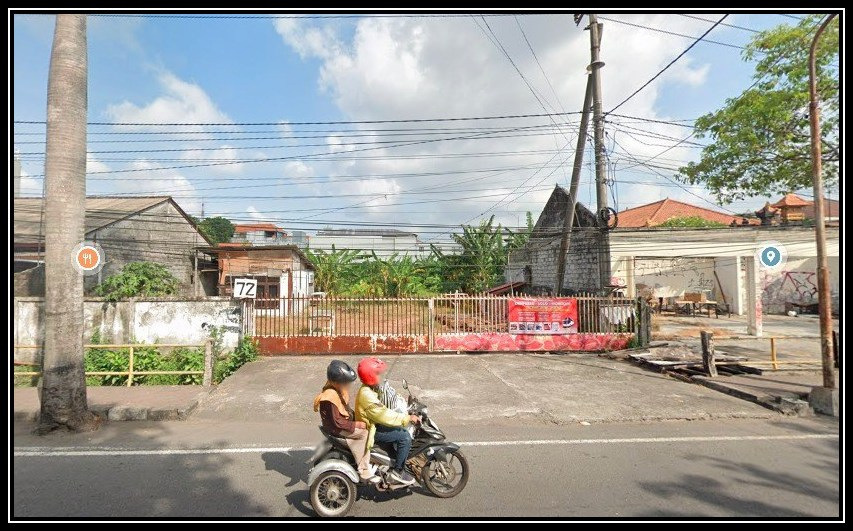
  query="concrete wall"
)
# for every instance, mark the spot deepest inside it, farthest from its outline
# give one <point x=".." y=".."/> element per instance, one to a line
<point x="728" y="249"/>
<point x="732" y="274"/>
<point x="796" y="282"/>
<point x="160" y="234"/>
<point x="668" y="277"/>
<point x="537" y="261"/>
<point x="158" y="320"/>
<point x="29" y="281"/>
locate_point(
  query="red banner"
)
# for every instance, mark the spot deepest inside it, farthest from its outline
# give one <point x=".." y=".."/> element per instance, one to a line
<point x="543" y="316"/>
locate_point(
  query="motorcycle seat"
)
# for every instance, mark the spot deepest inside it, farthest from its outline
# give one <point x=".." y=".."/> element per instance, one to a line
<point x="341" y="441"/>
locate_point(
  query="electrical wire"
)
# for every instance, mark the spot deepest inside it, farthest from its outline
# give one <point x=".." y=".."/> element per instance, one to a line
<point x="664" y="69"/>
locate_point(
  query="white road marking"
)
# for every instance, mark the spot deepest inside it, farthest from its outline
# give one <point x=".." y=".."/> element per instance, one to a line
<point x="42" y="451"/>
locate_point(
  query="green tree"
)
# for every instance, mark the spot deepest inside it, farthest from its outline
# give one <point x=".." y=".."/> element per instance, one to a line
<point x="138" y="279"/>
<point x="332" y="270"/>
<point x="760" y="139"/>
<point x="692" y="222"/>
<point x="217" y="229"/>
<point x="63" y="392"/>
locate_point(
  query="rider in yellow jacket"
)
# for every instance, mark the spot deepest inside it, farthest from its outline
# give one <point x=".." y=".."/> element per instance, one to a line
<point x="370" y="410"/>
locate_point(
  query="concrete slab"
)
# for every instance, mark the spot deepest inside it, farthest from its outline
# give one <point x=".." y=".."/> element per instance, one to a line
<point x="787" y="392"/>
<point x="485" y="389"/>
<point x="150" y="402"/>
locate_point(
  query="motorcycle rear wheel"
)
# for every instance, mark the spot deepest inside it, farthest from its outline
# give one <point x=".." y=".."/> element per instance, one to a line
<point x="437" y="478"/>
<point x="333" y="494"/>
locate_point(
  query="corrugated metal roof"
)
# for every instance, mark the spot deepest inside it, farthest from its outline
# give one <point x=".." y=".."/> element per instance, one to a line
<point x="100" y="211"/>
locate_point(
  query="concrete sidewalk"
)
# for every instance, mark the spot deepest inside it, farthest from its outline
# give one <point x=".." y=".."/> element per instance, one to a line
<point x="481" y="390"/>
<point x="150" y="402"/>
<point x="669" y="327"/>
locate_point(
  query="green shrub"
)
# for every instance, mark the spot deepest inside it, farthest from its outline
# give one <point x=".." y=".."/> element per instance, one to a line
<point x="145" y="359"/>
<point x="246" y="351"/>
<point x="145" y="279"/>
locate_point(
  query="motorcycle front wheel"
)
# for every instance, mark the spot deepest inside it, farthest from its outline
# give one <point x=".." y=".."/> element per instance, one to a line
<point x="332" y="494"/>
<point x="446" y="479"/>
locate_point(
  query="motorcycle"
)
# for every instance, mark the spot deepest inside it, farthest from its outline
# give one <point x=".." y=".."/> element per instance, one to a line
<point x="433" y="461"/>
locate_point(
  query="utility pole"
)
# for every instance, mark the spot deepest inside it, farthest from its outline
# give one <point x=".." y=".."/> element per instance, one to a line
<point x="823" y="399"/>
<point x="595" y="30"/>
<point x="569" y="219"/>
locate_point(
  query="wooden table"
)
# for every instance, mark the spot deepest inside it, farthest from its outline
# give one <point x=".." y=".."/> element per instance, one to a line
<point x="690" y="307"/>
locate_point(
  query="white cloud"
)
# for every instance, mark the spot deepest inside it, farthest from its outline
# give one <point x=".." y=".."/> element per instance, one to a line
<point x="308" y="39"/>
<point x="157" y="181"/>
<point x="395" y="68"/>
<point x="93" y="165"/>
<point x="260" y="217"/>
<point x="223" y="159"/>
<point x="182" y="102"/>
<point x="297" y="168"/>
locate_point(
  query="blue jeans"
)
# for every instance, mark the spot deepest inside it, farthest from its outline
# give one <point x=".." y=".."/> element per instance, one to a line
<point x="401" y="440"/>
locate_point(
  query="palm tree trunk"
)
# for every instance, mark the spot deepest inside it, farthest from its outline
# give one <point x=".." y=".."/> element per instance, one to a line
<point x="63" y="391"/>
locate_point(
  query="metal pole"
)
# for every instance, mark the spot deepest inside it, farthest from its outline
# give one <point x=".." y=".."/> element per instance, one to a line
<point x="824" y="300"/>
<point x="569" y="219"/>
<point x="595" y="30"/>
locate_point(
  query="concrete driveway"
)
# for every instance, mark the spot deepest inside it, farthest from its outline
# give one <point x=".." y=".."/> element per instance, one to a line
<point x="485" y="389"/>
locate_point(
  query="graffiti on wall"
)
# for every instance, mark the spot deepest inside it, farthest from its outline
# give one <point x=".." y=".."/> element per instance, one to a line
<point x="700" y="282"/>
<point x="671" y="277"/>
<point x="798" y="287"/>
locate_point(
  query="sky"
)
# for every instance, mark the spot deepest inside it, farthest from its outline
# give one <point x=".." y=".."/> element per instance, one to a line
<point x="261" y="78"/>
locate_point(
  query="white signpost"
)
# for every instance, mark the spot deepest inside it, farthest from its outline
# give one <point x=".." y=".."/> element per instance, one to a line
<point x="245" y="288"/>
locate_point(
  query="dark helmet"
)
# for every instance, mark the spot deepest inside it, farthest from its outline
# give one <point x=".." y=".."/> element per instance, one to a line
<point x="340" y="372"/>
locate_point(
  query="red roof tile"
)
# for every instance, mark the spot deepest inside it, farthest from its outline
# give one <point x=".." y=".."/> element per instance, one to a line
<point x="791" y="200"/>
<point x="656" y="213"/>
<point x="256" y="226"/>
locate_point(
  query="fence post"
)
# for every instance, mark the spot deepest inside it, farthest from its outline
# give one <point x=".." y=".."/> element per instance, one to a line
<point x="708" y="361"/>
<point x="431" y="329"/>
<point x="207" y="378"/>
<point x="835" y="350"/>
<point x="644" y="323"/>
<point x="773" y="353"/>
<point x="130" y="369"/>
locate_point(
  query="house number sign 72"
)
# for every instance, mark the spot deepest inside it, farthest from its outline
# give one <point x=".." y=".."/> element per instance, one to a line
<point x="245" y="288"/>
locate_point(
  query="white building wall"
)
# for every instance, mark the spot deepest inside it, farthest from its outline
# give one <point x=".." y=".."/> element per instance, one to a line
<point x="384" y="247"/>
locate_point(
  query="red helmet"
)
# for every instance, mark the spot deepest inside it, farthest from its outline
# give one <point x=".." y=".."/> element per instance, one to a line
<point x="369" y="370"/>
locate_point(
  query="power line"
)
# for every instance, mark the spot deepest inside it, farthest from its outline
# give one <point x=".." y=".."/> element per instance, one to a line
<point x="664" y="69"/>
<point x="333" y="122"/>
<point x="617" y="21"/>
<point x="752" y="30"/>
<point x="266" y="16"/>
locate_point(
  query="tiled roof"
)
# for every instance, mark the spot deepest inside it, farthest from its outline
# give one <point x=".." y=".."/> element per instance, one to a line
<point x="656" y="213"/>
<point x="791" y="200"/>
<point x="256" y="226"/>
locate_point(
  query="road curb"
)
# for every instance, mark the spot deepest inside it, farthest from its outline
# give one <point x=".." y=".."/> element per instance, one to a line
<point x="130" y="413"/>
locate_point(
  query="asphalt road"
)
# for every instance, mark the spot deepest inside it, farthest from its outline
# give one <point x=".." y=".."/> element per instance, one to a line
<point x="734" y="467"/>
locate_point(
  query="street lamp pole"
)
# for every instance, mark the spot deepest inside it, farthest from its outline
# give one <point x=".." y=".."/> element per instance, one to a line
<point x="824" y="399"/>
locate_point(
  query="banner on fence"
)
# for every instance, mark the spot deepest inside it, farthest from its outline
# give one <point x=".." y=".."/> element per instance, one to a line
<point x="543" y="316"/>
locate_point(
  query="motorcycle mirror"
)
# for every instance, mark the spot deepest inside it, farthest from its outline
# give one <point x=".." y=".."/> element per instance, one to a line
<point x="405" y="384"/>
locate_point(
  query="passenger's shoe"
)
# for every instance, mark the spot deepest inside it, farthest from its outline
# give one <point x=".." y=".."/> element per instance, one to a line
<point x="401" y="476"/>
